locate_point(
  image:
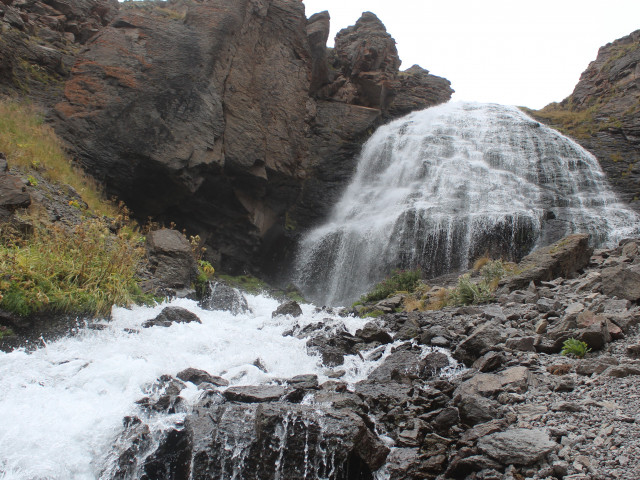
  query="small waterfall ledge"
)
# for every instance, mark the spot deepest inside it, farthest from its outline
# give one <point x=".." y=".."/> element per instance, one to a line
<point x="438" y="188"/>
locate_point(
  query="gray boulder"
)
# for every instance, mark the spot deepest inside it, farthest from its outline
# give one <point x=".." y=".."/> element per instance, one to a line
<point x="171" y="261"/>
<point x="220" y="296"/>
<point x="517" y="446"/>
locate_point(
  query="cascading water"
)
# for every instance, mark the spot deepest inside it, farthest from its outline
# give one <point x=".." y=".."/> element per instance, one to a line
<point x="62" y="405"/>
<point x="440" y="187"/>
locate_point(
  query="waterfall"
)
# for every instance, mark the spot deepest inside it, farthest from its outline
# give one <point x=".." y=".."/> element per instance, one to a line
<point x="440" y="187"/>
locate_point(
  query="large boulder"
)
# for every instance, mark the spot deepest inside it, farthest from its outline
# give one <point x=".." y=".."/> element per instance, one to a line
<point x="517" y="446"/>
<point x="622" y="281"/>
<point x="171" y="261"/>
<point x="561" y="259"/>
<point x="270" y="441"/>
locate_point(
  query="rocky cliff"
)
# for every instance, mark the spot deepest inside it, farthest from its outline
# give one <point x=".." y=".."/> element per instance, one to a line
<point x="603" y="114"/>
<point x="232" y="118"/>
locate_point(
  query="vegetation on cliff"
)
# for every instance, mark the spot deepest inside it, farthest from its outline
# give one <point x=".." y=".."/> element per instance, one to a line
<point x="82" y="263"/>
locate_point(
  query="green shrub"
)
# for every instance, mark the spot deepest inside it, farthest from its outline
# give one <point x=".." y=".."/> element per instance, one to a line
<point x="575" y="348"/>
<point x="467" y="292"/>
<point x="82" y="270"/>
<point x="400" y="280"/>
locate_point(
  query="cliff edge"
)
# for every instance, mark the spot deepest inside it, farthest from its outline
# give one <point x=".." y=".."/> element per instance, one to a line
<point x="603" y="114"/>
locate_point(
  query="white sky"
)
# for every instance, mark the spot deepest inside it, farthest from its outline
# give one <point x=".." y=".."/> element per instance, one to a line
<point x="516" y="52"/>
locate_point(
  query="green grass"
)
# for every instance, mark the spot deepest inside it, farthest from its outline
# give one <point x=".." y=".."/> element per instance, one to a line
<point x="83" y="270"/>
<point x="31" y="146"/>
<point x="398" y="281"/>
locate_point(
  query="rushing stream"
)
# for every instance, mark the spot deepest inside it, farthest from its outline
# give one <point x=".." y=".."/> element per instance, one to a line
<point x="440" y="187"/>
<point x="62" y="405"/>
<point x="433" y="190"/>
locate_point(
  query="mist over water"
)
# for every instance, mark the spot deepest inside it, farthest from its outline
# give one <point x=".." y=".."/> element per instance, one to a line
<point x="438" y="188"/>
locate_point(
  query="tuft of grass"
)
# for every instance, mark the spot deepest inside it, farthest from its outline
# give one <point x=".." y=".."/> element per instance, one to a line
<point x="574" y="347"/>
<point x="399" y="280"/>
<point x="468" y="292"/>
<point x="83" y="270"/>
<point x="31" y="145"/>
<point x="480" y="262"/>
<point x="373" y="314"/>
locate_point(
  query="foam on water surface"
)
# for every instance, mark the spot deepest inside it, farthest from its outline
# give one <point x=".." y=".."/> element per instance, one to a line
<point x="63" y="404"/>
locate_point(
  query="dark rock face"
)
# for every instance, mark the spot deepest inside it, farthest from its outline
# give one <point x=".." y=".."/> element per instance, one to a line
<point x="248" y="134"/>
<point x="605" y="101"/>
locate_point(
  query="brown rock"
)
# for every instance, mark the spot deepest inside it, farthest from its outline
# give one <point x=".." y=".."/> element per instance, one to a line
<point x="622" y="281"/>
<point x="13" y="193"/>
<point x="561" y="259"/>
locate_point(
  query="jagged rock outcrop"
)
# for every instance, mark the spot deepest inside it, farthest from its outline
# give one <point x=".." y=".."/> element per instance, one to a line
<point x="231" y="118"/>
<point x="603" y="114"/>
<point x="39" y="39"/>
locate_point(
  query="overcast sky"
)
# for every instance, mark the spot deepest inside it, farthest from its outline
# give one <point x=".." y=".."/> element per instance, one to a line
<point x="516" y="52"/>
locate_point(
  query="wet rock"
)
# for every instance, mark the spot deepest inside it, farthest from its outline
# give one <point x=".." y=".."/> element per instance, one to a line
<point x="163" y="395"/>
<point x="383" y="396"/>
<point x="170" y="315"/>
<point x="304" y="381"/>
<point x="281" y="439"/>
<point x="172" y="458"/>
<point x="197" y="377"/>
<point x="288" y="308"/>
<point x="414" y="464"/>
<point x="332" y="346"/>
<point x="517" y="446"/>
<point x="374" y="333"/>
<point x="220" y="296"/>
<point x="251" y="394"/>
<point x="446" y="419"/>
<point x="404" y="366"/>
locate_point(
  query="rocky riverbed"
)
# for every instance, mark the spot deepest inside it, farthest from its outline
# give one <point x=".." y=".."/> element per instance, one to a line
<point x="505" y="405"/>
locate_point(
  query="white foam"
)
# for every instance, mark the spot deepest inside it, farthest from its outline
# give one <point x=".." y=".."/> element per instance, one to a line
<point x="62" y="405"/>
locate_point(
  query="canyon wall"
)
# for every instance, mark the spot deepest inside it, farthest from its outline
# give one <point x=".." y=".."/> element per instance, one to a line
<point x="232" y="118"/>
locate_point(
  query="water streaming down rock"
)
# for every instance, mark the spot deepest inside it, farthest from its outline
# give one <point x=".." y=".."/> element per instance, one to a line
<point x="440" y="187"/>
<point x="63" y="403"/>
